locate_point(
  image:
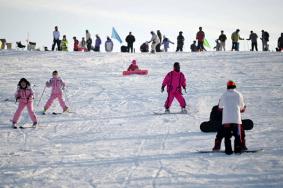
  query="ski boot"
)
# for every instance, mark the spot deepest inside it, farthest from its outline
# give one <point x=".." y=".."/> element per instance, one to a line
<point x="217" y="145"/>
<point x="14" y="126"/>
<point x="44" y="112"/>
<point x="167" y="111"/>
<point x="66" y="109"/>
<point x="34" y="124"/>
<point x="184" y="111"/>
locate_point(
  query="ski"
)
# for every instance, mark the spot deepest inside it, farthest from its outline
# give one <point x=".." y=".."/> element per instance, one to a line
<point x="170" y="113"/>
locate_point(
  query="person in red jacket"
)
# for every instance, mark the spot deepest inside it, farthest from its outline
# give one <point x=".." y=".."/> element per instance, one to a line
<point x="175" y="80"/>
<point x="76" y="44"/>
<point x="200" y="38"/>
<point x="133" y="66"/>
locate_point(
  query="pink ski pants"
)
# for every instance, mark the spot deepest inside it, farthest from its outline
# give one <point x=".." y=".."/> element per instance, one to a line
<point x="178" y="96"/>
<point x="20" y="109"/>
<point x="52" y="98"/>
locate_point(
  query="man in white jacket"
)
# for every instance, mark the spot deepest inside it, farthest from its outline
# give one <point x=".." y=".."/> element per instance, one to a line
<point x="155" y="41"/>
<point x="56" y="39"/>
<point x="232" y="104"/>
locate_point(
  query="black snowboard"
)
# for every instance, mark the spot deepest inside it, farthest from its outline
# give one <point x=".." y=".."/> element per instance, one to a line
<point x="222" y="151"/>
<point x="212" y="126"/>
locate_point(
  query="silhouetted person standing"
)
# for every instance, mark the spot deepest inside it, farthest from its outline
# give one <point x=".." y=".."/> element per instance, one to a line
<point x="155" y="41"/>
<point x="235" y="40"/>
<point x="56" y="39"/>
<point x="222" y="39"/>
<point x="160" y="39"/>
<point x="130" y="39"/>
<point x="200" y="38"/>
<point x="280" y="43"/>
<point x="88" y="40"/>
<point x="253" y="37"/>
<point x="180" y="42"/>
<point x="265" y="39"/>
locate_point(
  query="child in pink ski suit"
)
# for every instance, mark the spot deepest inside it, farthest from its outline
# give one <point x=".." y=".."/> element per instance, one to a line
<point x="133" y="66"/>
<point x="57" y="86"/>
<point x="24" y="95"/>
<point x="175" y="81"/>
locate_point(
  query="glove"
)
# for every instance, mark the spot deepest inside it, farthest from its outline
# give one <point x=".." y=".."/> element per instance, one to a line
<point x="185" y="90"/>
<point x="162" y="89"/>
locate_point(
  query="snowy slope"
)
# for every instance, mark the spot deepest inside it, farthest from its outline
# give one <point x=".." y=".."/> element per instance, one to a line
<point x="113" y="139"/>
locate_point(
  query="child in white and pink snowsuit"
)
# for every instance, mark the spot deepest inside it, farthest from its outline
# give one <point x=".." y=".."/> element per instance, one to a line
<point x="57" y="86"/>
<point x="175" y="81"/>
<point x="24" y="96"/>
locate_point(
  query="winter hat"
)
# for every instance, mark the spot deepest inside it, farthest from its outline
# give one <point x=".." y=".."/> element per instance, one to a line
<point x="134" y="62"/>
<point x="231" y="84"/>
<point x="177" y="67"/>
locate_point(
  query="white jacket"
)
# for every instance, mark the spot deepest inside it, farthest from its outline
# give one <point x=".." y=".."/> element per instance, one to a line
<point x="232" y="102"/>
<point x="56" y="35"/>
<point x="155" y="39"/>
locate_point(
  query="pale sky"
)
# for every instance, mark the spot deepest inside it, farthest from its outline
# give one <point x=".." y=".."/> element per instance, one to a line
<point x="73" y="17"/>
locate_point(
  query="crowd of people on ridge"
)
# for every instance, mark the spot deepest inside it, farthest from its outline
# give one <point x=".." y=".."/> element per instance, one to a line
<point x="157" y="40"/>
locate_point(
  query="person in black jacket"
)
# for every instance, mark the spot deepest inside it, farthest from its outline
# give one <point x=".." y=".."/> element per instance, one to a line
<point x="130" y="39"/>
<point x="280" y="43"/>
<point x="180" y="42"/>
<point x="160" y="38"/>
<point x="265" y="39"/>
<point x="253" y="37"/>
<point x="222" y="39"/>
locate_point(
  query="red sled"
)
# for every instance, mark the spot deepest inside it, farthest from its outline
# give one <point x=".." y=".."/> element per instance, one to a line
<point x="141" y="72"/>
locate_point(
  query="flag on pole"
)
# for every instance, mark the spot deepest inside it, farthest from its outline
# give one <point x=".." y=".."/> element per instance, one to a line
<point x="205" y="43"/>
<point x="115" y="35"/>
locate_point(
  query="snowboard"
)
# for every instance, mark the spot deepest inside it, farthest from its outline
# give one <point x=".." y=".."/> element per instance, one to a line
<point x="222" y="151"/>
<point x="170" y="113"/>
<point x="212" y="126"/>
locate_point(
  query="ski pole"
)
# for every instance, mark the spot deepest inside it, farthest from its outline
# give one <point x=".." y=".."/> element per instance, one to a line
<point x="41" y="96"/>
<point x="66" y="96"/>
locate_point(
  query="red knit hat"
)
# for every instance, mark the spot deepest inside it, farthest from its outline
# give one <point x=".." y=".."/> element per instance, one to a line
<point x="231" y="83"/>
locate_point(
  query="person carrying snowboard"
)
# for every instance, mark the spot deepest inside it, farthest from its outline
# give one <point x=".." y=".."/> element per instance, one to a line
<point x="232" y="104"/>
<point x="24" y="96"/>
<point x="174" y="81"/>
<point x="200" y="38"/>
<point x="57" y="86"/>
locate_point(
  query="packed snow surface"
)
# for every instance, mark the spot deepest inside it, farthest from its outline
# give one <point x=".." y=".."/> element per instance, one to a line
<point x="112" y="139"/>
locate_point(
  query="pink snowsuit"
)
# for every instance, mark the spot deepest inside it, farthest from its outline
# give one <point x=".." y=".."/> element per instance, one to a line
<point x="25" y="98"/>
<point x="174" y="82"/>
<point x="57" y="85"/>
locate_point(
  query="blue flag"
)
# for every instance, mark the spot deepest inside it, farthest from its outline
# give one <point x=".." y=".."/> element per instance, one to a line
<point x="115" y="35"/>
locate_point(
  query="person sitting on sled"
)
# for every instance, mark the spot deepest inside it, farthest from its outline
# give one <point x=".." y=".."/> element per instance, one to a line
<point x="133" y="66"/>
<point x="57" y="86"/>
<point x="24" y="96"/>
<point x="232" y="104"/>
<point x="174" y="81"/>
